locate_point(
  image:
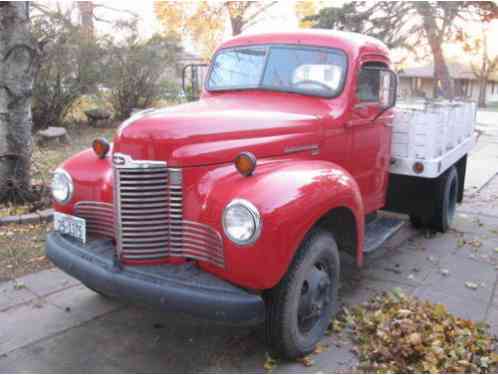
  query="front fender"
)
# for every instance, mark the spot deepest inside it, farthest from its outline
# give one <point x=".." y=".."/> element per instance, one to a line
<point x="291" y="197"/>
<point x="92" y="178"/>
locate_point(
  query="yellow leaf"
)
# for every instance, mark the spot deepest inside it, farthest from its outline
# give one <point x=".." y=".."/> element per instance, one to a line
<point x="440" y="310"/>
<point x="403" y="313"/>
<point x="415" y="339"/>
<point x="307" y="361"/>
<point x="319" y="349"/>
<point x="270" y="363"/>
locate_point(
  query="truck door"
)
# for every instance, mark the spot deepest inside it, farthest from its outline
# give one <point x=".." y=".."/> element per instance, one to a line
<point x="371" y="137"/>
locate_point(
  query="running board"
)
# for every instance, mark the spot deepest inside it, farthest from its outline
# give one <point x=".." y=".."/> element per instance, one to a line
<point x="379" y="231"/>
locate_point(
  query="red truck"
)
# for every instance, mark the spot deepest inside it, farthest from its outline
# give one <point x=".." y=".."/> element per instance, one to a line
<point x="236" y="207"/>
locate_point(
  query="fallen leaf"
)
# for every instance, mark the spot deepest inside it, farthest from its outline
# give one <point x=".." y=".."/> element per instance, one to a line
<point x="432" y="259"/>
<point x="415" y="339"/>
<point x="471" y="285"/>
<point x="403" y="313"/>
<point x="270" y="363"/>
<point x="484" y="362"/>
<point x="307" y="361"/>
<point x="476" y="244"/>
<point x="19" y="285"/>
<point x="444" y="271"/>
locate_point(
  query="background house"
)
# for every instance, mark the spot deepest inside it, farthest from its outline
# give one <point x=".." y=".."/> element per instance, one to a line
<point x="419" y="82"/>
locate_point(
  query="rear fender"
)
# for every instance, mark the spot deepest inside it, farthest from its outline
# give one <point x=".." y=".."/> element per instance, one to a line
<point x="292" y="197"/>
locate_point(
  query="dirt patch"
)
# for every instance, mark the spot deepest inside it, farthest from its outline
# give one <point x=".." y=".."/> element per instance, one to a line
<point x="22" y="250"/>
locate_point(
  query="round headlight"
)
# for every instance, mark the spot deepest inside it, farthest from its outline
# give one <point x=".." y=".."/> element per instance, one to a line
<point x="241" y="222"/>
<point x="62" y="186"/>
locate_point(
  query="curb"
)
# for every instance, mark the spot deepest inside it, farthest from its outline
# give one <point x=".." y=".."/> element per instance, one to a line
<point x="31" y="218"/>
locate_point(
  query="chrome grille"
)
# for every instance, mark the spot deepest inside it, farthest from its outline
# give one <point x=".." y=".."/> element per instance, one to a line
<point x="149" y="212"/>
<point x="99" y="217"/>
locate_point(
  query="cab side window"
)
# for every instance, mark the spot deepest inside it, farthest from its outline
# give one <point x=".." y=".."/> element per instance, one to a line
<point x="367" y="89"/>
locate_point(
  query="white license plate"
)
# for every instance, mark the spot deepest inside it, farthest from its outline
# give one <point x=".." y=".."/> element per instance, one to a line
<point x="71" y="225"/>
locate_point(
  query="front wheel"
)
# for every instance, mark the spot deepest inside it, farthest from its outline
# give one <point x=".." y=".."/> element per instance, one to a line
<point x="99" y="292"/>
<point x="300" y="307"/>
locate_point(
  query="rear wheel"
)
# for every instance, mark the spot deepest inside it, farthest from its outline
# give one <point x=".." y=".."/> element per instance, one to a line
<point x="446" y="200"/>
<point x="300" y="307"/>
<point x="445" y="193"/>
<point x="416" y="221"/>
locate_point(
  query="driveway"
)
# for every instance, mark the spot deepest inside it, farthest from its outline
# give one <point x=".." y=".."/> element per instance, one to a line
<point x="50" y="323"/>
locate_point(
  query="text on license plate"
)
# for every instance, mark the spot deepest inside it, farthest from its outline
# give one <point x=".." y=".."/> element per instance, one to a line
<point x="71" y="225"/>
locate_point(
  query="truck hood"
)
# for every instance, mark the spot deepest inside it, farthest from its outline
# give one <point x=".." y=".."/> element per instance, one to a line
<point x="216" y="129"/>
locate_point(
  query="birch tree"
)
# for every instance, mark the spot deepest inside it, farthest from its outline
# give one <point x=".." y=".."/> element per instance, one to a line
<point x="19" y="62"/>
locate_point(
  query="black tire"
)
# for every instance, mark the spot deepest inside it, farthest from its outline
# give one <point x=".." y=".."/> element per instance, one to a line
<point x="416" y="221"/>
<point x="300" y="307"/>
<point x="446" y="200"/>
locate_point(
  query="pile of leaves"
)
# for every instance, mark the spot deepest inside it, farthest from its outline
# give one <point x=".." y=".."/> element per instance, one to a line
<point x="401" y="334"/>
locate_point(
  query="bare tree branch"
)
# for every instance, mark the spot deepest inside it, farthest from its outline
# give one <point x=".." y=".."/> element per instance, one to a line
<point x="116" y="9"/>
<point x="260" y="11"/>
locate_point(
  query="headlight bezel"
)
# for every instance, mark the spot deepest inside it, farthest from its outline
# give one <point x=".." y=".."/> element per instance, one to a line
<point x="256" y="217"/>
<point x="70" y="185"/>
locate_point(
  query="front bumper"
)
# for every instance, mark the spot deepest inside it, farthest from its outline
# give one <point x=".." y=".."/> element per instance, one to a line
<point x="175" y="288"/>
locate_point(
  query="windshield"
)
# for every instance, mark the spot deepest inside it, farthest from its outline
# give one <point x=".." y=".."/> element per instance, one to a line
<point x="304" y="70"/>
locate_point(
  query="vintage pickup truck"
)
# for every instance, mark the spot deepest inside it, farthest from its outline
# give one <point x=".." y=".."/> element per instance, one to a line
<point x="237" y="207"/>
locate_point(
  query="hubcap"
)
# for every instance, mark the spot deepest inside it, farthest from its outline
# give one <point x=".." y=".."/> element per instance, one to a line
<point x="314" y="298"/>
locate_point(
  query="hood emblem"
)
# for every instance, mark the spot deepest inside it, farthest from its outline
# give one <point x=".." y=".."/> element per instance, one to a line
<point x="118" y="160"/>
<point x="126" y="161"/>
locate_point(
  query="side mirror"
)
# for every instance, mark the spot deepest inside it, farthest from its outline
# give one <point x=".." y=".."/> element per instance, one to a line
<point x="193" y="80"/>
<point x="388" y="87"/>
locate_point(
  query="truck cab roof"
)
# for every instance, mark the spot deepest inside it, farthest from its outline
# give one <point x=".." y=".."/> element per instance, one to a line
<point x="353" y="44"/>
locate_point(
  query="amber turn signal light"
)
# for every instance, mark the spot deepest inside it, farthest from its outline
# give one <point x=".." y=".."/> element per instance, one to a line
<point x="245" y="163"/>
<point x="101" y="147"/>
<point x="418" y="167"/>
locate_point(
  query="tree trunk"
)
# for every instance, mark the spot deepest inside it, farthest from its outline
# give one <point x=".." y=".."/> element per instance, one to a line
<point x="19" y="56"/>
<point x="237" y="25"/>
<point x="482" y="92"/>
<point x="86" y="9"/>
<point x="435" y="39"/>
<point x="485" y="71"/>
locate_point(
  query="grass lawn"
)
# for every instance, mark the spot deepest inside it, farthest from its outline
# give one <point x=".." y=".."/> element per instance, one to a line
<point x="22" y="245"/>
